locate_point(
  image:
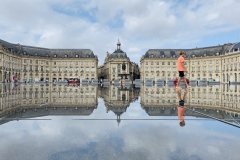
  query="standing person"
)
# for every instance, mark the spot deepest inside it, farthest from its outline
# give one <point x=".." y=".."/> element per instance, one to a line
<point x="181" y="107"/>
<point x="181" y="69"/>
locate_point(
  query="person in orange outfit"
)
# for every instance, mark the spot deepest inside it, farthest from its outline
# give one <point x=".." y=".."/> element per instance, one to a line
<point x="181" y="107"/>
<point x="181" y="69"/>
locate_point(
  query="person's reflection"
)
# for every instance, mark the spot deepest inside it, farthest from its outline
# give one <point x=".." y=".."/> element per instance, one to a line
<point x="181" y="107"/>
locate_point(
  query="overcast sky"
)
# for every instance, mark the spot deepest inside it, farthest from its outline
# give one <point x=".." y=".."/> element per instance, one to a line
<point x="139" y="24"/>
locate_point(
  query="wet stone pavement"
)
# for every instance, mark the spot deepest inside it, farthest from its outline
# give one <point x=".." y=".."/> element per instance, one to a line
<point x="65" y="122"/>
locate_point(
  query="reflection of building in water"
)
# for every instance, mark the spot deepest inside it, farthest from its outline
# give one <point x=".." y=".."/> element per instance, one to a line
<point x="42" y="100"/>
<point x="209" y="99"/>
<point x="118" y="99"/>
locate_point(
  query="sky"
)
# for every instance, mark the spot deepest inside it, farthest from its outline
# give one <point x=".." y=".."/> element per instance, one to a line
<point x="139" y="25"/>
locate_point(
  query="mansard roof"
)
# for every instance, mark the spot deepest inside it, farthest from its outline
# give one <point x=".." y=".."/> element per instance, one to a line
<point x="235" y="47"/>
<point x="118" y="54"/>
<point x="46" y="52"/>
<point x="196" y="52"/>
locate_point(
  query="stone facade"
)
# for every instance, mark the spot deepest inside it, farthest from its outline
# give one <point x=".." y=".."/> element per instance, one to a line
<point x="33" y="64"/>
<point x="217" y="63"/>
<point x="117" y="66"/>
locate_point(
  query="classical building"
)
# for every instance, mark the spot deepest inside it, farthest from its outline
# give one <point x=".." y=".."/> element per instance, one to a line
<point x="33" y="64"/>
<point x="27" y="101"/>
<point x="118" y="99"/>
<point x="219" y="101"/>
<point x="216" y="63"/>
<point x="118" y="66"/>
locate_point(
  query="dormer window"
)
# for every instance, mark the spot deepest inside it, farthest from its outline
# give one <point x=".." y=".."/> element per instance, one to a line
<point x="76" y="55"/>
<point x="152" y="56"/>
<point x="35" y="54"/>
<point x="65" y="55"/>
<point x="193" y="56"/>
<point x="217" y="54"/>
<point x="47" y="55"/>
<point x="24" y="53"/>
<point x="88" y="56"/>
<point x="162" y="56"/>
<point x="205" y="54"/>
<point x="174" y="56"/>
<point x="54" y="55"/>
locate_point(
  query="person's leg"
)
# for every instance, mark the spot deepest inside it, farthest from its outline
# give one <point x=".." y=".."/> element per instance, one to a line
<point x="185" y="80"/>
<point x="178" y="82"/>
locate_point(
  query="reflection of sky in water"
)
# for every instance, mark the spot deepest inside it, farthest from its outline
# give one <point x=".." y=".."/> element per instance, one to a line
<point x="138" y="136"/>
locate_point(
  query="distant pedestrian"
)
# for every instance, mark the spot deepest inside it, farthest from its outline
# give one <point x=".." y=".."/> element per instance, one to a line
<point x="181" y="69"/>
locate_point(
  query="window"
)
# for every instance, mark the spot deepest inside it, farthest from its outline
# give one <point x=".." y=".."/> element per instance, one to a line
<point x="54" y="55"/>
<point x="25" y="67"/>
<point x="93" y="69"/>
<point x="24" y="61"/>
<point x="76" y="63"/>
<point x="151" y="63"/>
<point x="30" y="61"/>
<point x="157" y="63"/>
<point x="146" y="63"/>
<point x="42" y="62"/>
<point x="210" y="62"/>
<point x="36" y="61"/>
<point x="163" y="63"/>
<point x="76" y="55"/>
<point x="30" y="67"/>
<point x="192" y="63"/>
<point x="65" y="55"/>
<point x="210" y="68"/>
<point x="217" y="62"/>
<point x="168" y="63"/>
<point x="217" y="68"/>
<point x="204" y="68"/>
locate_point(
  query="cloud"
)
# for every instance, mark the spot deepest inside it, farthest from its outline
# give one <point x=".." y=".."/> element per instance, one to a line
<point x="140" y="25"/>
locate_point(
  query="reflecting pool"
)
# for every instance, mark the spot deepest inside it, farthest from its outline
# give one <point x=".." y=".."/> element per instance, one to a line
<point x="44" y="121"/>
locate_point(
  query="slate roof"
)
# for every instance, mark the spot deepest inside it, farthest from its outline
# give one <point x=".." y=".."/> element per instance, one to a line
<point x="118" y="53"/>
<point x="196" y="52"/>
<point x="235" y="47"/>
<point x="46" y="52"/>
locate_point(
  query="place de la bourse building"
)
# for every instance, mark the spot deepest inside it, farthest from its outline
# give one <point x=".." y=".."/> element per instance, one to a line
<point x="34" y="64"/>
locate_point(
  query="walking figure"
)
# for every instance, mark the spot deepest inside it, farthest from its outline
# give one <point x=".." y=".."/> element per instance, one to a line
<point x="181" y="69"/>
